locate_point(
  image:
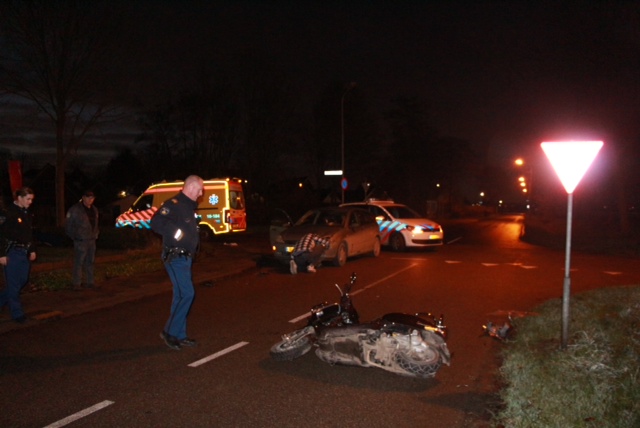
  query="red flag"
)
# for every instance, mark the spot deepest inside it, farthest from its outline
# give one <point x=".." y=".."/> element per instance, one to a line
<point x="15" y="175"/>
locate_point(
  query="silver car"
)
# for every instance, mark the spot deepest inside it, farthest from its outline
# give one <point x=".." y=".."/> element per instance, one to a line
<point x="351" y="231"/>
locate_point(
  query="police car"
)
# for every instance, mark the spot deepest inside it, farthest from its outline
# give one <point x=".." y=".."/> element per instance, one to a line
<point x="401" y="227"/>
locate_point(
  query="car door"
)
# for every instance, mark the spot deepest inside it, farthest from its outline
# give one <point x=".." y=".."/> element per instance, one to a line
<point x="360" y="235"/>
<point x="384" y="222"/>
<point x="280" y="221"/>
<point x="370" y="231"/>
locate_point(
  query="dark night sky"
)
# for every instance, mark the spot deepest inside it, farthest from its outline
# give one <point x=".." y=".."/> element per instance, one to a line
<point x="508" y="73"/>
<point x="488" y="70"/>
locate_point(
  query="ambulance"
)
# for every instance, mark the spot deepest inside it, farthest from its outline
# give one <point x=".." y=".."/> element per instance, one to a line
<point x="221" y="209"/>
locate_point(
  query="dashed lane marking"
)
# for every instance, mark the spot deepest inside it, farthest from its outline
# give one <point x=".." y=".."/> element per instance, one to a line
<point x="81" y="414"/>
<point x="612" y="273"/>
<point x="218" y="354"/>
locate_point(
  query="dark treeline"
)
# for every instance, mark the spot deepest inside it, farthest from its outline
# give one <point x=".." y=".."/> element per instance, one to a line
<point x="90" y="67"/>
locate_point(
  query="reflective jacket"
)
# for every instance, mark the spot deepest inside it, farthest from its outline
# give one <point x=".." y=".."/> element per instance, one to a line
<point x="16" y="228"/>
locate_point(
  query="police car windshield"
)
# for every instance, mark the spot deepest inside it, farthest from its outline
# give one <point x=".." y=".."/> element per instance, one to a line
<point x="402" y="211"/>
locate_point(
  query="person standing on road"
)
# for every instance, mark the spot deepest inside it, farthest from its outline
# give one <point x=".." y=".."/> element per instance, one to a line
<point x="177" y="223"/>
<point x="82" y="227"/>
<point x="17" y="250"/>
<point x="307" y="253"/>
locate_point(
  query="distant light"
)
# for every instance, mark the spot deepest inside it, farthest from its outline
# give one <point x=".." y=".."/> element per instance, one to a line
<point x="300" y="185"/>
<point x="570" y="160"/>
<point x="519" y="162"/>
<point x="333" y="172"/>
<point x="521" y="179"/>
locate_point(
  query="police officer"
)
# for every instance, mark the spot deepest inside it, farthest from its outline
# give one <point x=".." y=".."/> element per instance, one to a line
<point x="17" y="250"/>
<point x="177" y="223"/>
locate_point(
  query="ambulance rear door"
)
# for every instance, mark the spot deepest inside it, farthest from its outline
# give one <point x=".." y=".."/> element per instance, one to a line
<point x="221" y="208"/>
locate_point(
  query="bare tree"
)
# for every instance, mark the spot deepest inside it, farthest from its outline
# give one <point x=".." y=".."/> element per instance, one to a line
<point x="198" y="134"/>
<point x="54" y="53"/>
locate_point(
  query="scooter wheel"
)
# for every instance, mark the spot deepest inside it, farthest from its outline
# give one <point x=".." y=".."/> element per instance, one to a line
<point x="290" y="350"/>
<point x="423" y="364"/>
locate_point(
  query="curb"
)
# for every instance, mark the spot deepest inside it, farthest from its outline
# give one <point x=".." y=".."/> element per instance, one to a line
<point x="43" y="306"/>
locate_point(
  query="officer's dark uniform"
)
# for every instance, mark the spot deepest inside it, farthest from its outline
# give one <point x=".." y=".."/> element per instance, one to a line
<point x="177" y="223"/>
<point x="16" y="243"/>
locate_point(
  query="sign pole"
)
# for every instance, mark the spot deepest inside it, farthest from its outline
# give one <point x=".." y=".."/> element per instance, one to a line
<point x="566" y="294"/>
<point x="570" y="160"/>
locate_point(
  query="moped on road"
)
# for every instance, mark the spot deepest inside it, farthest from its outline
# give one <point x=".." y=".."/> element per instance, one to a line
<point x="408" y="345"/>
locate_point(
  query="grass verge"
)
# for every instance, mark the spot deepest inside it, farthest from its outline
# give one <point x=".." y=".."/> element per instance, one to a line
<point x="595" y="382"/>
<point x="135" y="262"/>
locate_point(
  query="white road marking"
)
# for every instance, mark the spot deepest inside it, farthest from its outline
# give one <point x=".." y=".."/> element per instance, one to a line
<point x="613" y="273"/>
<point x="454" y="240"/>
<point x="80" y="414"/>
<point x="301" y="317"/>
<point x="384" y="279"/>
<point x="452" y="261"/>
<point x="528" y="267"/>
<point x="490" y="264"/>
<point x="218" y="354"/>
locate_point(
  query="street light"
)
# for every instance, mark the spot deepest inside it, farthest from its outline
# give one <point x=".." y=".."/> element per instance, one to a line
<point x="349" y="87"/>
<point x="526" y="184"/>
<point x="570" y="161"/>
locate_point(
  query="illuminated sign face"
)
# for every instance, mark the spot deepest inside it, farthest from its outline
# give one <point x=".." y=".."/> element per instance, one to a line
<point x="570" y="160"/>
<point x="214" y="199"/>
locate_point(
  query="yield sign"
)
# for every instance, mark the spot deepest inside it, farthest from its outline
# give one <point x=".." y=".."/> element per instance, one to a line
<point x="570" y="160"/>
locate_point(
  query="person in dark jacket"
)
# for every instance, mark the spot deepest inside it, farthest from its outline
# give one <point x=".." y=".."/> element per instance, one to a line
<point x="17" y="250"/>
<point x="82" y="227"/>
<point x="177" y="223"/>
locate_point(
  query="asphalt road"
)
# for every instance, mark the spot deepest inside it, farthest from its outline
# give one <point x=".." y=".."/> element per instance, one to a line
<point x="109" y="368"/>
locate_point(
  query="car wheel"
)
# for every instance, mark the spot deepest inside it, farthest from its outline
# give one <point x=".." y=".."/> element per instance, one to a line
<point x="341" y="255"/>
<point x="397" y="242"/>
<point x="206" y="234"/>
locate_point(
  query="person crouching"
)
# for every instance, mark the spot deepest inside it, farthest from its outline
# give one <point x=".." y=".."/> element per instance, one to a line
<point x="307" y="253"/>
